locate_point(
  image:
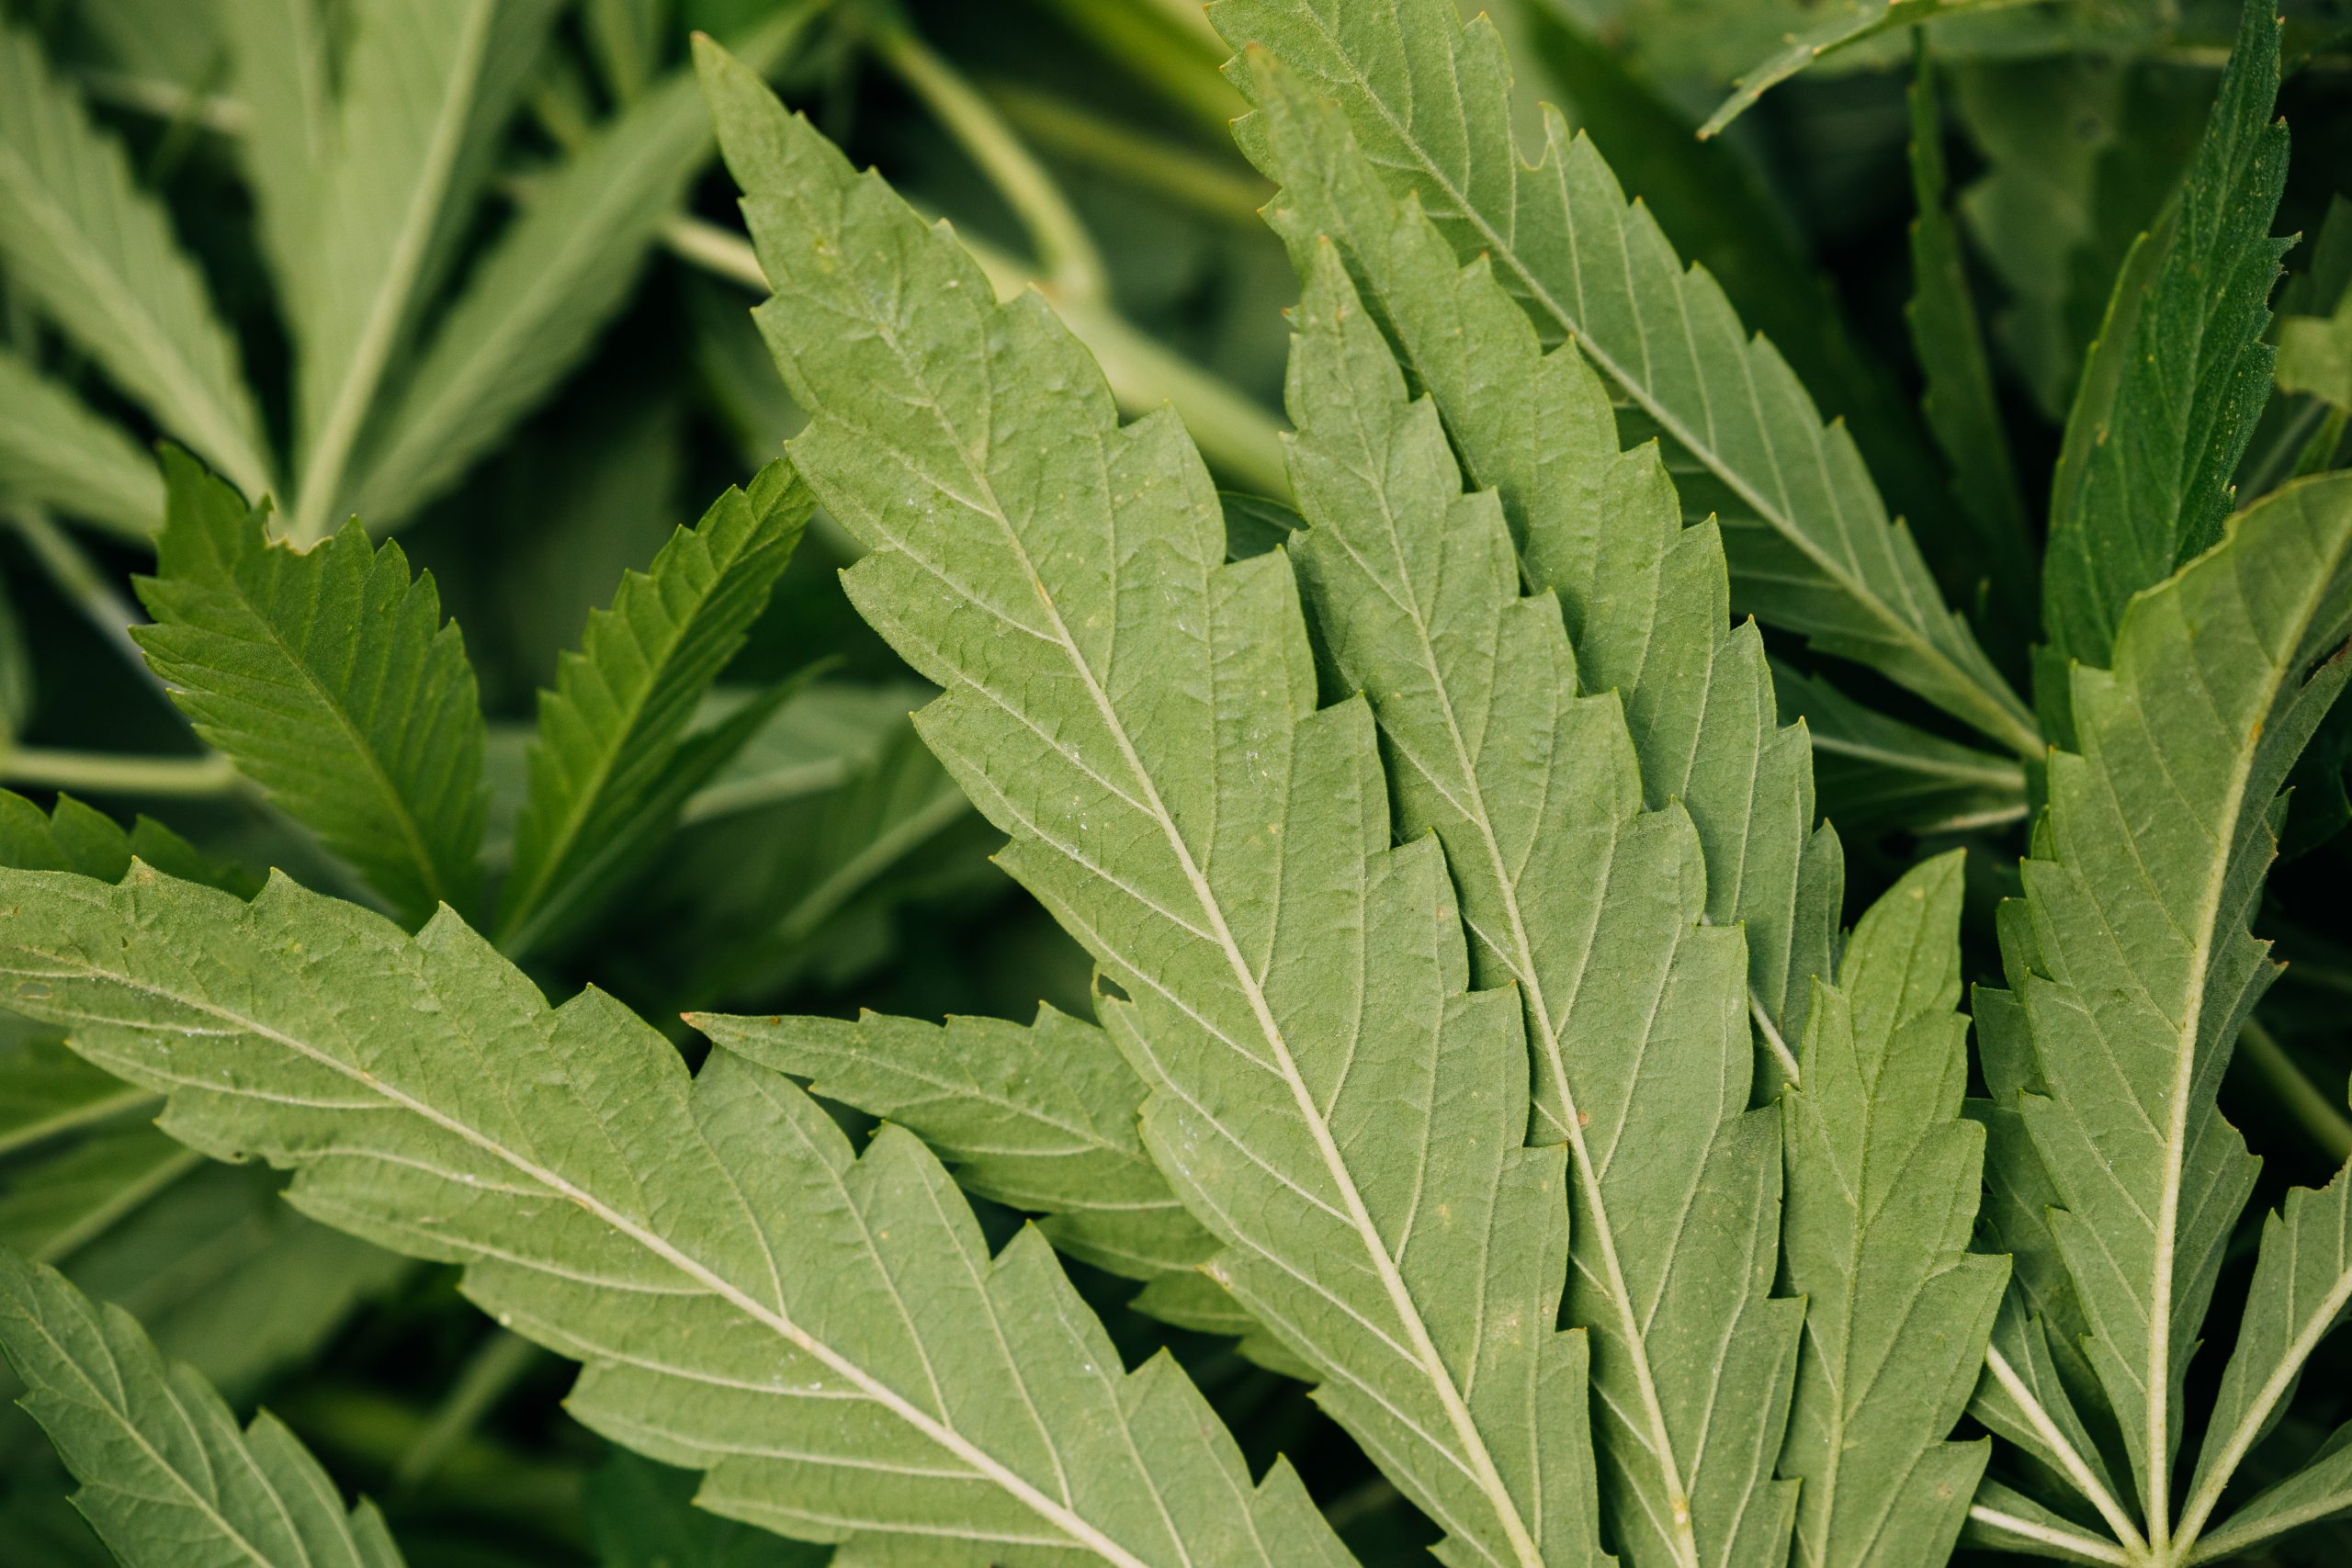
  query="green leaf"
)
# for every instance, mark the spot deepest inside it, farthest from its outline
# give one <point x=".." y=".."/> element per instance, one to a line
<point x="1140" y="717"/>
<point x="167" y="1478"/>
<point x="2315" y="354"/>
<point x="832" y="1341"/>
<point x="2130" y="953"/>
<point x="2144" y="481"/>
<point x="47" y="1092"/>
<point x="48" y="1212"/>
<point x="98" y="255"/>
<point x="1877" y="772"/>
<point x="1958" y="400"/>
<point x="2301" y="1290"/>
<point x="72" y="837"/>
<point x="1853" y="22"/>
<point x="1586" y="906"/>
<point x="331" y="681"/>
<point x="1883" y="1178"/>
<point x="612" y="734"/>
<point x="281" y="68"/>
<point x="536" y="302"/>
<point x="55" y="452"/>
<point x="2321" y="1490"/>
<point x="1644" y="598"/>
<point x="1810" y="542"/>
<point x="428" y="87"/>
<point x="1039" y="1116"/>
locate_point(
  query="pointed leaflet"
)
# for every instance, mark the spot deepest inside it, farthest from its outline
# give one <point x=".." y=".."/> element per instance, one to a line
<point x="168" y="1481"/>
<point x="1643" y="597"/>
<point x="1882" y="1177"/>
<point x="281" y="69"/>
<point x="2144" y="479"/>
<point x="614" y="728"/>
<point x="826" y="1334"/>
<point x="536" y="302"/>
<point x="96" y="253"/>
<point x="1958" y="399"/>
<point x="1849" y="24"/>
<point x="1876" y="772"/>
<point x="330" y="679"/>
<point x="1810" y="542"/>
<point x="429" y="87"/>
<point x="54" y="451"/>
<point x="1039" y="1116"/>
<point x="1327" y="1097"/>
<point x="2133" y="963"/>
<point x="1589" y="908"/>
<point x="2303" y="1287"/>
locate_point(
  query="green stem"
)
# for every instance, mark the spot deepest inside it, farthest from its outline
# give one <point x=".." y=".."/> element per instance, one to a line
<point x="80" y="580"/>
<point x="1233" y="433"/>
<point x="1064" y="248"/>
<point x="1179" y="59"/>
<point x="1074" y="132"/>
<point x="488" y="1376"/>
<point x="2321" y="1117"/>
<point x="107" y="773"/>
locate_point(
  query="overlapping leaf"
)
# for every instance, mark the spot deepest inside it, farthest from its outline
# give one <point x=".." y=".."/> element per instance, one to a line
<point x="1882" y="1182"/>
<point x="613" y="733"/>
<point x="2133" y="970"/>
<point x="330" y="679"/>
<point x="1810" y="542"/>
<point x="2154" y="439"/>
<point x="55" y="452"/>
<point x="825" y="1333"/>
<point x="1327" y="1096"/>
<point x="168" y="1480"/>
<point x="1643" y="597"/>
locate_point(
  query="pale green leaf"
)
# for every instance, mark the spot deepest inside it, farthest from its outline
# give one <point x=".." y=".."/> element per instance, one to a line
<point x="1811" y="546"/>
<point x="1327" y="1096"/>
<point x="98" y="254"/>
<point x="612" y="736"/>
<point x="536" y="302"/>
<point x="2301" y="1290"/>
<point x="72" y="837"/>
<point x="2130" y="956"/>
<point x="1876" y="772"/>
<point x="282" y="71"/>
<point x="1958" y="399"/>
<point x="1882" y="1181"/>
<point x="427" y="90"/>
<point x="55" y="452"/>
<point x="168" y="1480"/>
<point x="1644" y="598"/>
<point x="1592" y="910"/>
<point x="2152" y="442"/>
<point x="330" y="679"/>
<point x="2315" y="354"/>
<point x="832" y="1341"/>
<point x="2321" y="1490"/>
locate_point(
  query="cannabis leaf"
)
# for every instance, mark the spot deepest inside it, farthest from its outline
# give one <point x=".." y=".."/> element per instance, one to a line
<point x="1643" y="597"/>
<point x="1882" y="1180"/>
<point x="1327" y="1096"/>
<point x="708" y="1245"/>
<point x="1811" y="544"/>
<point x="167" y="1478"/>
<point x="1878" y="772"/>
<point x="1591" y="908"/>
<point x="2169" y="400"/>
<point x="55" y="452"/>
<point x="1853" y="22"/>
<point x="611" y="743"/>
<point x="2132" y="971"/>
<point x="98" y="255"/>
<point x="1958" y="399"/>
<point x="330" y="679"/>
<point x="282" y="67"/>
<point x="535" y="302"/>
<point x="411" y="142"/>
